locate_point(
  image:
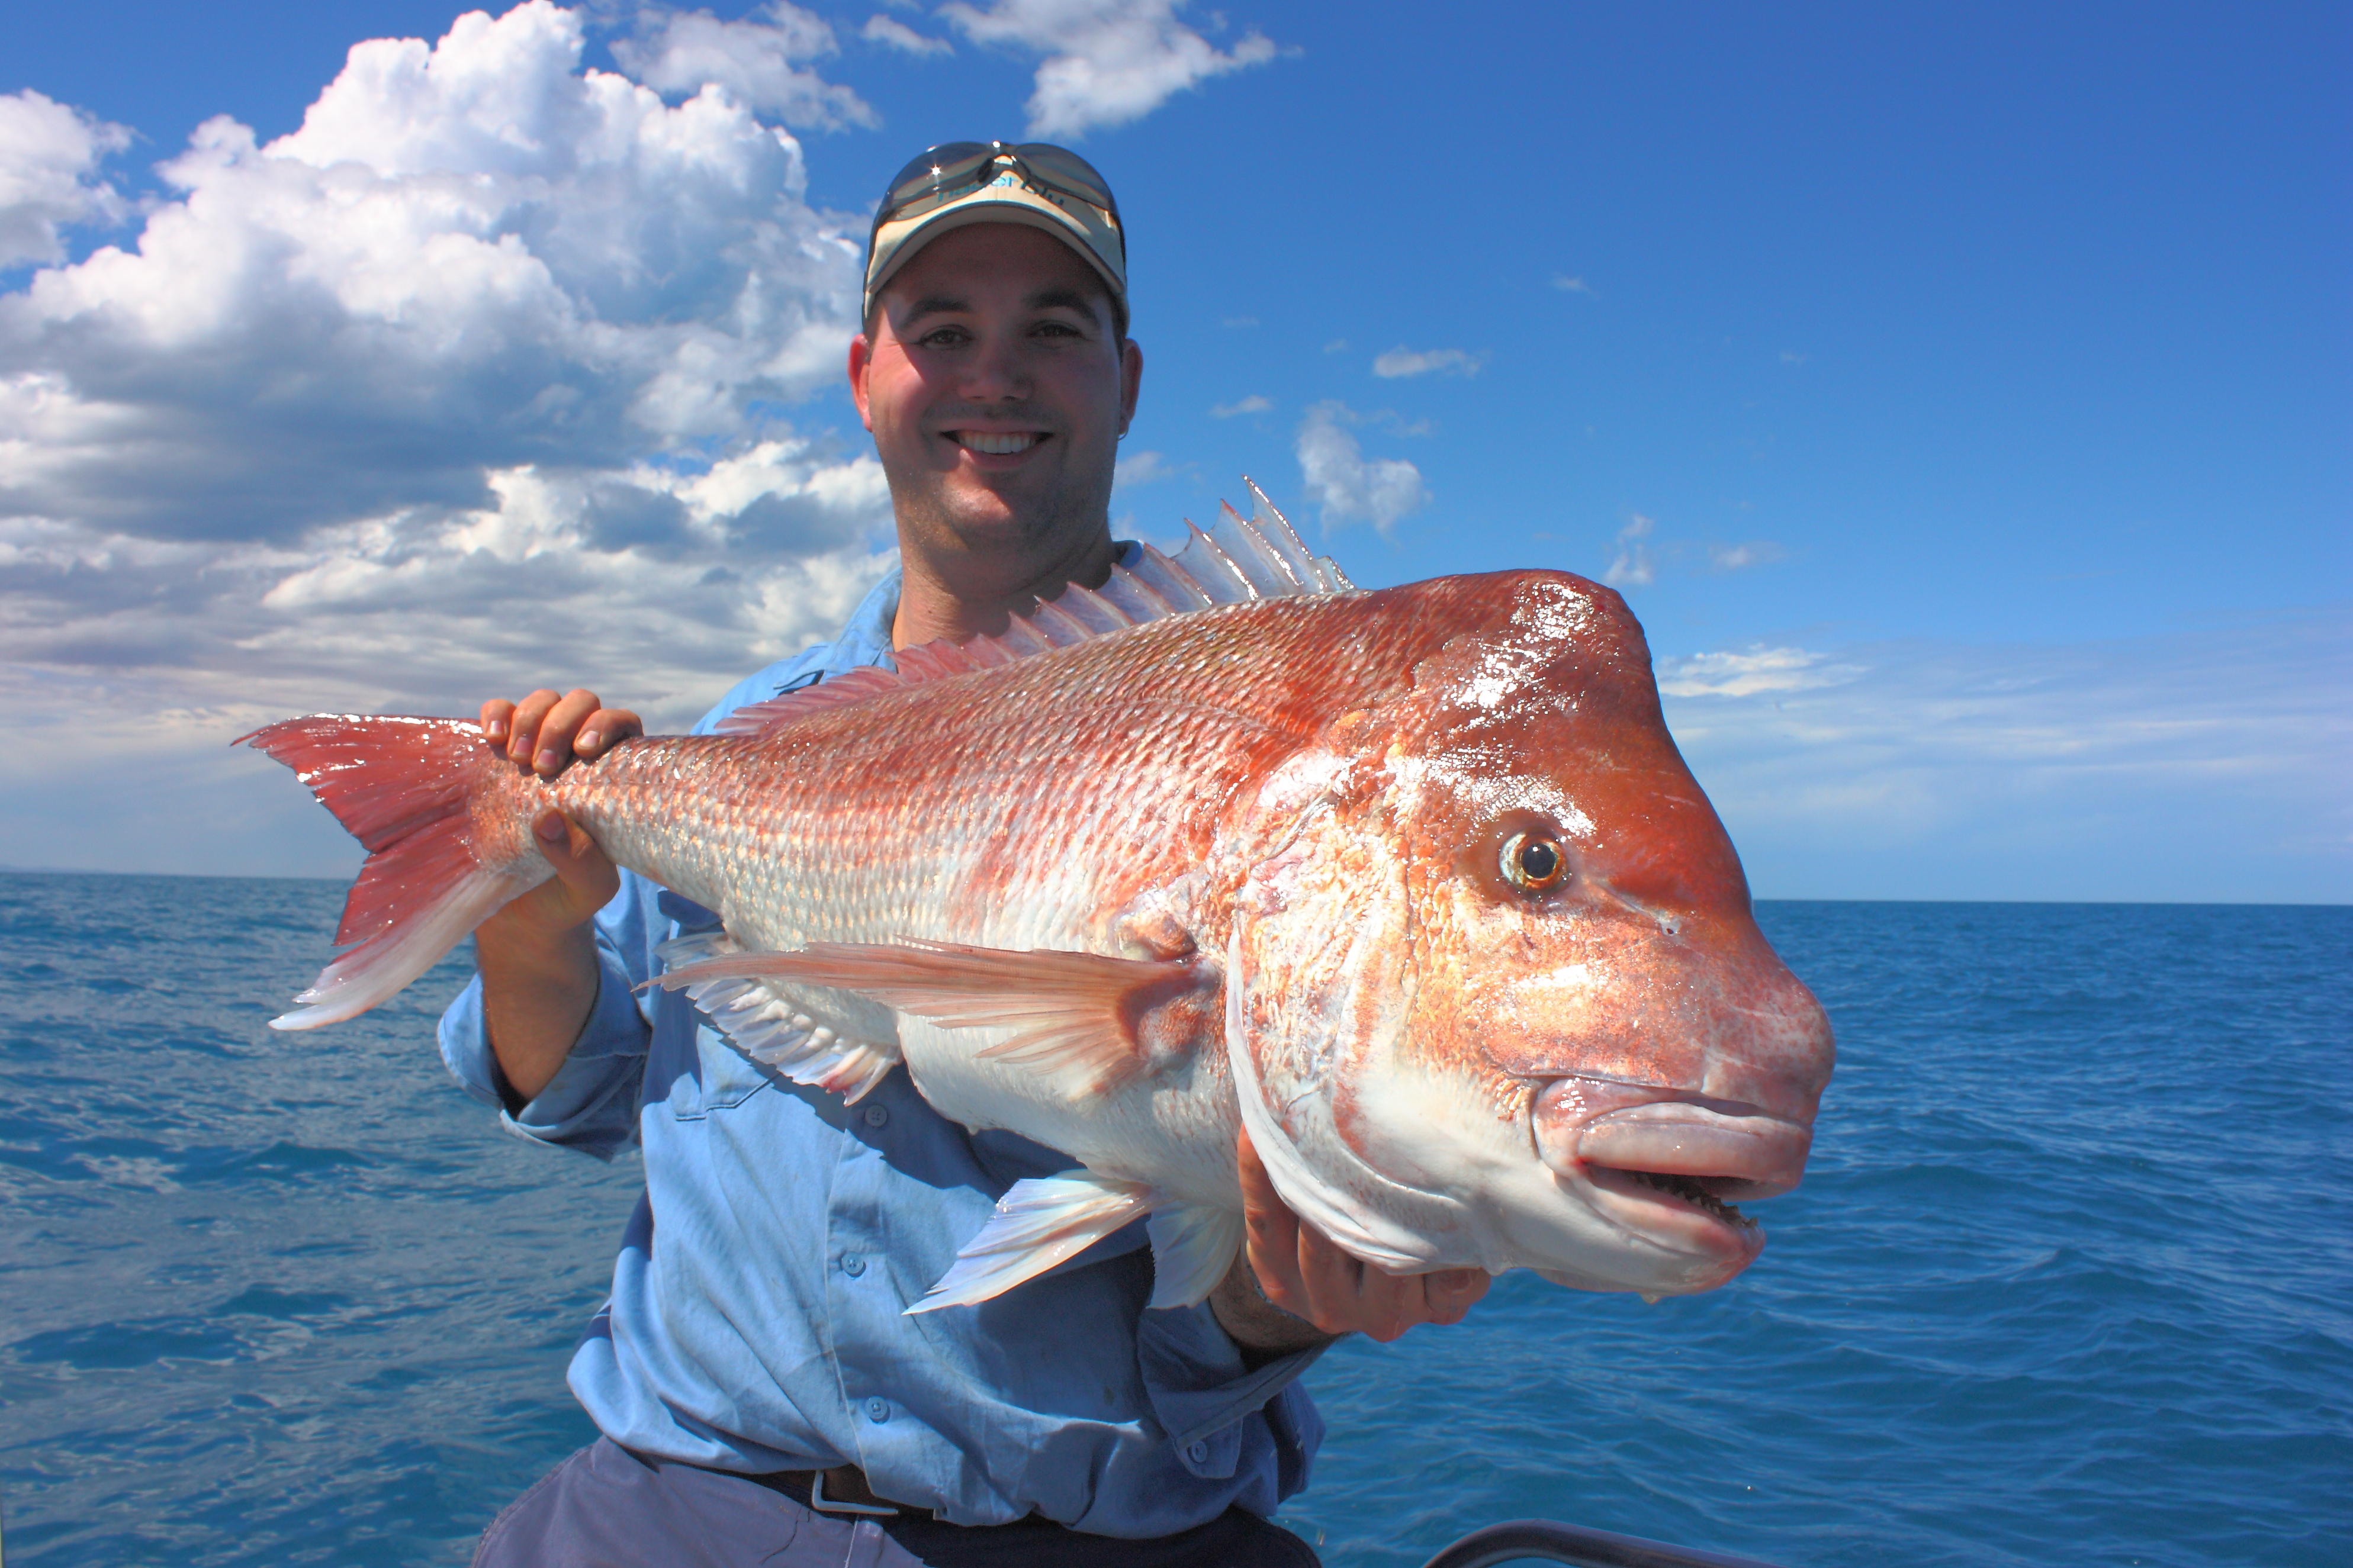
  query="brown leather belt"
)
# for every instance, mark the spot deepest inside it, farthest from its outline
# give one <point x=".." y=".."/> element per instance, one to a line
<point x="841" y="1489"/>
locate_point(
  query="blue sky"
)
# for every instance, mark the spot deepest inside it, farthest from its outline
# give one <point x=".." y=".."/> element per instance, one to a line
<point x="1959" y="394"/>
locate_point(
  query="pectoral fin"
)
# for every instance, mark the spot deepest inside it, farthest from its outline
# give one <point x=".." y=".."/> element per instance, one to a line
<point x="1105" y="1019"/>
<point x="1037" y="1223"/>
<point x="1192" y="1248"/>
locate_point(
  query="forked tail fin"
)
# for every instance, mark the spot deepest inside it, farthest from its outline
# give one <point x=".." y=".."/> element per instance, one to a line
<point x="402" y="787"/>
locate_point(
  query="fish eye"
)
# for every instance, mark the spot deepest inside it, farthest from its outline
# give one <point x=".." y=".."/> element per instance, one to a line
<point x="1533" y="862"/>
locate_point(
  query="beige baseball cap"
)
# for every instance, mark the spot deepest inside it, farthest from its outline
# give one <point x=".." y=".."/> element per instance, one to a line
<point x="1033" y="183"/>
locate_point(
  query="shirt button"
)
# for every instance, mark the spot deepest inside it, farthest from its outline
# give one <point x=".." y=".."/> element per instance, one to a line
<point x="876" y="1116"/>
<point x="1197" y="1452"/>
<point x="878" y="1410"/>
<point x="853" y="1266"/>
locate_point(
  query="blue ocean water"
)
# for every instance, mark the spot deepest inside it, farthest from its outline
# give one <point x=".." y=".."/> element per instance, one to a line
<point x="2070" y="1280"/>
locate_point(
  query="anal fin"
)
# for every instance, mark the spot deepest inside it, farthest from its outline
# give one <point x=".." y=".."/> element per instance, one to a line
<point x="768" y="1028"/>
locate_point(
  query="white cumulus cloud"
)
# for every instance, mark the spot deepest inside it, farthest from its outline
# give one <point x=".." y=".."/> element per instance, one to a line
<point x="1404" y="361"/>
<point x="1253" y="403"/>
<point x="49" y="156"/>
<point x="759" y="63"/>
<point x="467" y="385"/>
<point x="1107" y="61"/>
<point x="1344" y="482"/>
<point x="472" y="255"/>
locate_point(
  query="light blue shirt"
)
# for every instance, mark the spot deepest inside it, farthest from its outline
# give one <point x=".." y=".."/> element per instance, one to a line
<point x="756" y="1321"/>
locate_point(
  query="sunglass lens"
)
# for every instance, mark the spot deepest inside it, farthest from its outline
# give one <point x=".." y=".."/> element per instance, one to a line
<point x="942" y="165"/>
<point x="1065" y="168"/>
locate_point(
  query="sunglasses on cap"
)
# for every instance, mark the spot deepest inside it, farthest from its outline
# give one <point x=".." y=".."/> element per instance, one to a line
<point x="953" y="170"/>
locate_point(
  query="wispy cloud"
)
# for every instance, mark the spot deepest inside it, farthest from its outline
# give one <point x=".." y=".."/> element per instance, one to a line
<point x="1344" y="482"/>
<point x="1926" y="770"/>
<point x="1404" y="361"/>
<point x="1241" y="321"/>
<point x="1253" y="403"/>
<point x="759" y="63"/>
<point x="1567" y="285"/>
<point x="1632" y="566"/>
<point x="1108" y="61"/>
<point x="49" y="156"/>
<point x="1740" y="557"/>
<point x="891" y="33"/>
<point x="1748" y="674"/>
<point x="1142" y="468"/>
<point x="1336" y="346"/>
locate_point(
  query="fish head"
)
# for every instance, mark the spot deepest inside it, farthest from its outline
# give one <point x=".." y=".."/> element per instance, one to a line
<point x="1527" y="1017"/>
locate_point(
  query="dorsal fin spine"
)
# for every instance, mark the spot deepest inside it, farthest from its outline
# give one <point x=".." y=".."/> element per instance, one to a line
<point x="1056" y="624"/>
<point x="1094" y="612"/>
<point x="1136" y="598"/>
<point x="1242" y="543"/>
<point x="1172" y="583"/>
<point x="1225" y="583"/>
<point x="1237" y="561"/>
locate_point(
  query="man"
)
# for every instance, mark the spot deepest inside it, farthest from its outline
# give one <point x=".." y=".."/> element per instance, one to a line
<point x="761" y="1395"/>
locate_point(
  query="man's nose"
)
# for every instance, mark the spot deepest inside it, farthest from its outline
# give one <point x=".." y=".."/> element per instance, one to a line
<point x="993" y="372"/>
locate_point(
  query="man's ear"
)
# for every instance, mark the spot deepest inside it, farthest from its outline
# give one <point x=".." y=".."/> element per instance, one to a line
<point x="1130" y="379"/>
<point x="861" y="355"/>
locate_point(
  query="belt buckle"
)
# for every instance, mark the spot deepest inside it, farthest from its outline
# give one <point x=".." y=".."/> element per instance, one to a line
<point x="820" y="1503"/>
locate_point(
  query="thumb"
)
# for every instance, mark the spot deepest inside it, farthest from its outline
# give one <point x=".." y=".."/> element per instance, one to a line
<point x="579" y="864"/>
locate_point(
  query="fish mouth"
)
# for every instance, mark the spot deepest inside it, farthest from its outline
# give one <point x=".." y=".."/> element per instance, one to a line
<point x="1672" y="1163"/>
<point x="1683" y="1209"/>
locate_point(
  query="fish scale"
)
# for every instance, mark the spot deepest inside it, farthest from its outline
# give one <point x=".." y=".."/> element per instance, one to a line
<point x="1133" y="879"/>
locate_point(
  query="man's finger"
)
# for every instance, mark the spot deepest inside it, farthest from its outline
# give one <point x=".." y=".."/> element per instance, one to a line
<point x="1272" y="1232"/>
<point x="552" y="751"/>
<point x="604" y="730"/>
<point x="523" y="724"/>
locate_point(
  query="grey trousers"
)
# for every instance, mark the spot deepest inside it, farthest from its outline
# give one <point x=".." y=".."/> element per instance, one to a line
<point x="606" y="1507"/>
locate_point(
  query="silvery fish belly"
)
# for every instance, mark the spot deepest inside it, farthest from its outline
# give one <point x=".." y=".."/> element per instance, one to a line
<point x="1412" y="885"/>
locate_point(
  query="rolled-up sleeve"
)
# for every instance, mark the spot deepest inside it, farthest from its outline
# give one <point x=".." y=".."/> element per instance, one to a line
<point x="1209" y="1405"/>
<point x="591" y="1104"/>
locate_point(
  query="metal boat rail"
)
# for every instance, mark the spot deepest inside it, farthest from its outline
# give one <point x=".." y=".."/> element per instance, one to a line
<point x="1542" y="1539"/>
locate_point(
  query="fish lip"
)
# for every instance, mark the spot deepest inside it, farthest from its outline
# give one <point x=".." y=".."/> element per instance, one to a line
<point x="1730" y="1151"/>
<point x="1670" y="1221"/>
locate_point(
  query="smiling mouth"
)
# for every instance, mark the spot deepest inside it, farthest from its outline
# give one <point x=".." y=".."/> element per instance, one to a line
<point x="995" y="444"/>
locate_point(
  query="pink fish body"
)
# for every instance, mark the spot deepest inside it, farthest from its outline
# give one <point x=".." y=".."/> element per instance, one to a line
<point x="1412" y="884"/>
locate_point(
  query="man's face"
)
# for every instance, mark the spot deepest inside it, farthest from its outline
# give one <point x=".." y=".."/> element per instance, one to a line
<point x="997" y="392"/>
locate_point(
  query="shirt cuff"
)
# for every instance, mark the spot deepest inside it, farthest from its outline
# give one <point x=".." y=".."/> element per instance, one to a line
<point x="590" y="1104"/>
<point x="1202" y="1395"/>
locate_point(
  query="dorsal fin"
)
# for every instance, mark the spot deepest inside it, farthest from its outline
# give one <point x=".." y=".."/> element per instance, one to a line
<point x="1237" y="560"/>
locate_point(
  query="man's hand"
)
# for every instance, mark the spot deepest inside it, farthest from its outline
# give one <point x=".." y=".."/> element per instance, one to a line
<point x="537" y="955"/>
<point x="545" y="732"/>
<point x="1294" y="1287"/>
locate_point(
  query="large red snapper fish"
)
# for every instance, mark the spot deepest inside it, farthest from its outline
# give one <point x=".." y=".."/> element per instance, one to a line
<point x="1411" y="884"/>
